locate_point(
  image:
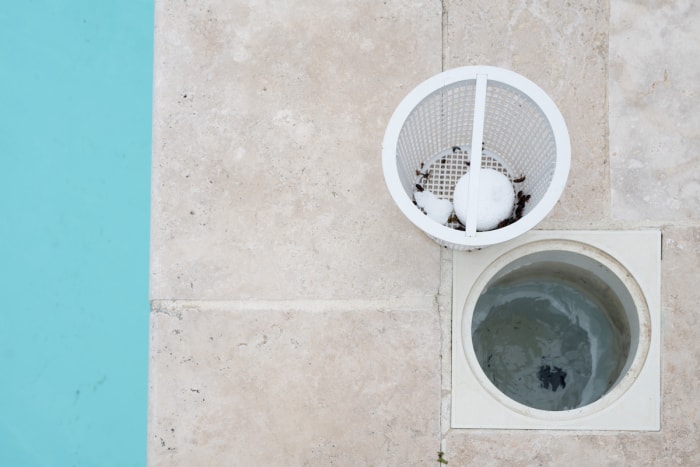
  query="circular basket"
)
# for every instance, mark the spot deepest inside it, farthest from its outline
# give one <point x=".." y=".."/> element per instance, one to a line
<point x="468" y="119"/>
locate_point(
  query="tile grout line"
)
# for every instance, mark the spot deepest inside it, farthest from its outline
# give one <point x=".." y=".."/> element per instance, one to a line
<point x="444" y="296"/>
<point x="177" y="307"/>
<point x="606" y="106"/>
<point x="444" y="303"/>
<point x="443" y="35"/>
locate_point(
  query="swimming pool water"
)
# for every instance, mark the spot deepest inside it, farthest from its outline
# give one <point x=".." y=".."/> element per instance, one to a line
<point x="75" y="129"/>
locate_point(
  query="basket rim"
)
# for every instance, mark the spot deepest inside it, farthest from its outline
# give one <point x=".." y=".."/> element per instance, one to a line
<point x="468" y="73"/>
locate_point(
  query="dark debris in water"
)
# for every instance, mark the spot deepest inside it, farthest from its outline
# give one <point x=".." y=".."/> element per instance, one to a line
<point x="552" y="376"/>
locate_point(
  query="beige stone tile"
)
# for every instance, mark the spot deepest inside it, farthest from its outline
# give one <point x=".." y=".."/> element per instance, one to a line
<point x="562" y="46"/>
<point x="681" y="339"/>
<point x="676" y="443"/>
<point x="528" y="448"/>
<point x="268" y="124"/>
<point x="242" y="387"/>
<point x="654" y="110"/>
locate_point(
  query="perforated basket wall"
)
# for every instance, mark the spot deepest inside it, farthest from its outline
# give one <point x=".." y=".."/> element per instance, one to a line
<point x="432" y="132"/>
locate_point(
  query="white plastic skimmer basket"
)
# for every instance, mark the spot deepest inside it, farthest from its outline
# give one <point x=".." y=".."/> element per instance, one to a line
<point x="468" y="119"/>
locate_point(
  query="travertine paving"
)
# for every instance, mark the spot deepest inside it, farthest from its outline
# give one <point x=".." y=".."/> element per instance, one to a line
<point x="654" y="112"/>
<point x="302" y="386"/>
<point x="297" y="317"/>
<point x="268" y="123"/>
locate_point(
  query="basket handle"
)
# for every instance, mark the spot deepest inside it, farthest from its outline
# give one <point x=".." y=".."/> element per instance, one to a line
<point x="475" y="159"/>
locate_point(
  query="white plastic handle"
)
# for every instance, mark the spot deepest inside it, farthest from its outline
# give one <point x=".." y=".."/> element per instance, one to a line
<point x="475" y="159"/>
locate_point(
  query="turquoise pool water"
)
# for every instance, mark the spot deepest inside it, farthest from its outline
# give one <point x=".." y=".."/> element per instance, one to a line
<point x="75" y="129"/>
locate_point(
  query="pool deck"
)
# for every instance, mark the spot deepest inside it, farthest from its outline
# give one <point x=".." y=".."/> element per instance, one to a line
<point x="297" y="317"/>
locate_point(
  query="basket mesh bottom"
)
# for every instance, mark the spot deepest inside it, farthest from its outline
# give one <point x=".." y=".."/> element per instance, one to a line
<point x="446" y="168"/>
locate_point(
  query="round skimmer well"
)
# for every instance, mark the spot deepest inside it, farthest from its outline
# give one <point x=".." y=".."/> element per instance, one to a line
<point x="556" y="329"/>
<point x="465" y="120"/>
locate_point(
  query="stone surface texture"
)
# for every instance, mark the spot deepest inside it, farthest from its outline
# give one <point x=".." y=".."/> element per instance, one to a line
<point x="297" y="317"/>
<point x="293" y="387"/>
<point x="655" y="111"/>
<point x="294" y="315"/>
<point x="267" y="134"/>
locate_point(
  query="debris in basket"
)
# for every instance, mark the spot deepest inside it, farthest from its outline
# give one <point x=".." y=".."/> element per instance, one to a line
<point x="520" y="179"/>
<point x="504" y="223"/>
<point x="424" y="175"/>
<point x="453" y="219"/>
<point x="519" y="207"/>
<point x="522" y="198"/>
<point x="437" y="209"/>
<point x="495" y="199"/>
<point x="419" y="188"/>
<point x="456" y="148"/>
